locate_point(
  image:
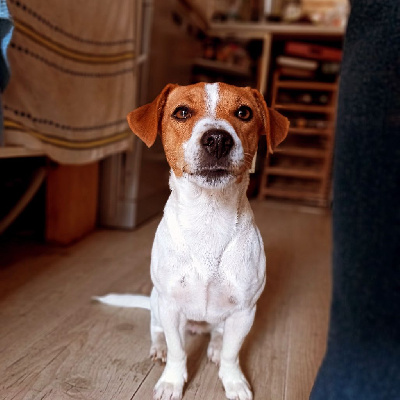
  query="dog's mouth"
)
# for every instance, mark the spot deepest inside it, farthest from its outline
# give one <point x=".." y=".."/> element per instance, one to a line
<point x="213" y="176"/>
<point x="214" y="173"/>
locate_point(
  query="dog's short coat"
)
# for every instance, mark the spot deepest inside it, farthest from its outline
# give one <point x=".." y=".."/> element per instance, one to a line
<point x="207" y="261"/>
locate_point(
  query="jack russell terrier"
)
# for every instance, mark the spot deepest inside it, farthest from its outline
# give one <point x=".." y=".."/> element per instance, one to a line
<point x="207" y="261"/>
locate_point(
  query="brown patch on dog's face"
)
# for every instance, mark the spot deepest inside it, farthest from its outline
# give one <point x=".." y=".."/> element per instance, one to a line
<point x="239" y="107"/>
<point x="192" y="99"/>
<point x="176" y="129"/>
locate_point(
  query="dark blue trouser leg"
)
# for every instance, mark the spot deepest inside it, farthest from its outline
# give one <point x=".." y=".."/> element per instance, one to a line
<point x="363" y="355"/>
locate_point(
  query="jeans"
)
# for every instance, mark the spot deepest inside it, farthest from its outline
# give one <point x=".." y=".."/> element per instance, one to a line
<point x="362" y="361"/>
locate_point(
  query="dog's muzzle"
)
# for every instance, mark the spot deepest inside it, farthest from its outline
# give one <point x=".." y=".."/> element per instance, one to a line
<point x="214" y="153"/>
<point x="217" y="143"/>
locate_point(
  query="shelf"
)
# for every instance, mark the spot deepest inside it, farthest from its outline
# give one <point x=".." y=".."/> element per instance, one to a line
<point x="292" y="193"/>
<point x="301" y="152"/>
<point x="303" y="196"/>
<point x="294" y="172"/>
<point x="220" y="66"/>
<point x="311" y="131"/>
<point x="305" y="108"/>
<point x="307" y="85"/>
<point x="259" y="30"/>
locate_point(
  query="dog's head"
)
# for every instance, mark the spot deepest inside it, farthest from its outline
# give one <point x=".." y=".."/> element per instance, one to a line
<point x="209" y="132"/>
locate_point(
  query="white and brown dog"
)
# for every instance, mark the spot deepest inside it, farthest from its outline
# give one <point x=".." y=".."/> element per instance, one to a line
<point x="208" y="261"/>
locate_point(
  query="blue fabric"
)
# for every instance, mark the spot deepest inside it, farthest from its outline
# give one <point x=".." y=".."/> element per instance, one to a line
<point x="6" y="28"/>
<point x="362" y="361"/>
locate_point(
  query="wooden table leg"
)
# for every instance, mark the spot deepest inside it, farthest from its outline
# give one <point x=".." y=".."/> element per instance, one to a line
<point x="71" y="202"/>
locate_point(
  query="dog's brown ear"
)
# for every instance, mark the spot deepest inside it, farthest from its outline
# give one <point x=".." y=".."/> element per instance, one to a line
<point x="276" y="126"/>
<point x="145" y="121"/>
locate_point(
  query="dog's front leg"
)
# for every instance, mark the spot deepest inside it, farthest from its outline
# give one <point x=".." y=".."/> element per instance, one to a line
<point x="170" y="385"/>
<point x="236" y="328"/>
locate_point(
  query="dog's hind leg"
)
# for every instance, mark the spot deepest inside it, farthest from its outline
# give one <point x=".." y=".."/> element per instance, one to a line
<point x="158" y="349"/>
<point x="215" y="345"/>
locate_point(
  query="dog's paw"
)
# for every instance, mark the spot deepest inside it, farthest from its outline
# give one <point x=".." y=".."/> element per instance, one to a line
<point x="238" y="391"/>
<point x="170" y="386"/>
<point x="158" y="351"/>
<point x="235" y="384"/>
<point x="167" y="391"/>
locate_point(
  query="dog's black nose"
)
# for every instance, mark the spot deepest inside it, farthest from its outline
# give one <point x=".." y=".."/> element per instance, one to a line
<point x="217" y="142"/>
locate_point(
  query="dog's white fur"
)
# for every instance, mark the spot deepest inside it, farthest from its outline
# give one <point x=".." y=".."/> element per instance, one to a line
<point x="207" y="264"/>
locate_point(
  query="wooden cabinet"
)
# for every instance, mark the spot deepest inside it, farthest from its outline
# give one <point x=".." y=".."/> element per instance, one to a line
<point x="300" y="168"/>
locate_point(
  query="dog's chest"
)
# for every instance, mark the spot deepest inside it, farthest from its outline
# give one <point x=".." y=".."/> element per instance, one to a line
<point x="208" y="300"/>
<point x="208" y="258"/>
<point x="209" y="287"/>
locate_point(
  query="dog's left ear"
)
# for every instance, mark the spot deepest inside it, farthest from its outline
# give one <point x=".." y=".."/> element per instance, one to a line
<point x="276" y="126"/>
<point x="145" y="121"/>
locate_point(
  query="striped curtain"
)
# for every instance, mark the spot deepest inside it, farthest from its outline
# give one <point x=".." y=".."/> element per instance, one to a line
<point x="72" y="77"/>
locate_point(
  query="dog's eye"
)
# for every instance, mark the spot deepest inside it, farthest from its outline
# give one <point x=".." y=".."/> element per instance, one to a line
<point x="182" y="113"/>
<point x="244" y="113"/>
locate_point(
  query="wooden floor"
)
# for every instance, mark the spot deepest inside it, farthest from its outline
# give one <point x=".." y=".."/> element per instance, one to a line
<point x="56" y="344"/>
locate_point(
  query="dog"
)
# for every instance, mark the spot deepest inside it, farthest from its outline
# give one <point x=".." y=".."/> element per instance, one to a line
<point x="207" y="262"/>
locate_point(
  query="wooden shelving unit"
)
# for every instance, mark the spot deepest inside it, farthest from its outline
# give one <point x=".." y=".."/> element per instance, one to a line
<point x="222" y="67"/>
<point x="300" y="168"/>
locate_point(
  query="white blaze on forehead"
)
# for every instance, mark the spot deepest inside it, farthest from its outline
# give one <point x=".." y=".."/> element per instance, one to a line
<point x="193" y="148"/>
<point x="212" y="96"/>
